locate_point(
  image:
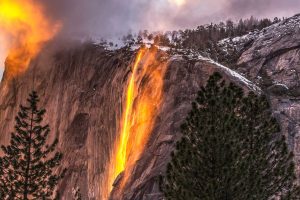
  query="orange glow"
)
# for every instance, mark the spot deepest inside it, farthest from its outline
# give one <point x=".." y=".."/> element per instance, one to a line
<point x="178" y="2"/>
<point x="143" y="99"/>
<point x="122" y="156"/>
<point x="26" y="28"/>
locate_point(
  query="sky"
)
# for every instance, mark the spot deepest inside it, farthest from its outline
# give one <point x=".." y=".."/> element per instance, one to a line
<point x="112" y="18"/>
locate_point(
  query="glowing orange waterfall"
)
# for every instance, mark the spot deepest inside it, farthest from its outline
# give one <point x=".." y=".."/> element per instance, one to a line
<point x="121" y="157"/>
<point x="143" y="99"/>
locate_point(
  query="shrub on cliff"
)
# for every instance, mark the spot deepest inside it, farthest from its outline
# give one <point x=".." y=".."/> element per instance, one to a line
<point x="231" y="149"/>
<point x="27" y="167"/>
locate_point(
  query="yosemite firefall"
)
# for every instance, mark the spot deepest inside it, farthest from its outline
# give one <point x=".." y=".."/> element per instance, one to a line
<point x="149" y="100"/>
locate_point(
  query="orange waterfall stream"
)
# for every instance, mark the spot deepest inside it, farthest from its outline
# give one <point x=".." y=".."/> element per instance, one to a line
<point x="144" y="95"/>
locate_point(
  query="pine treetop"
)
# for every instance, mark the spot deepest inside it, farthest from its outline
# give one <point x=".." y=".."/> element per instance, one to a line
<point x="231" y="149"/>
<point x="27" y="167"/>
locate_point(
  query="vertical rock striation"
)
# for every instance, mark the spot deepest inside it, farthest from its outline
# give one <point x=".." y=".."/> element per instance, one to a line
<point x="273" y="62"/>
<point x="81" y="88"/>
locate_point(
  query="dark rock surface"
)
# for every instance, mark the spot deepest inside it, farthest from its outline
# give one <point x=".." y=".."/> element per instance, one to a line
<point x="81" y="89"/>
<point x="273" y="62"/>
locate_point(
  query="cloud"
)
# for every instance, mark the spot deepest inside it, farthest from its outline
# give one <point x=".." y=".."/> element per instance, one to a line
<point x="103" y="17"/>
<point x="108" y="17"/>
<point x="263" y="8"/>
<point x="111" y="18"/>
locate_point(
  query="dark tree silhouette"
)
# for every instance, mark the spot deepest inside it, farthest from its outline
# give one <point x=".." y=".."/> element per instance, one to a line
<point x="231" y="149"/>
<point x="27" y="167"/>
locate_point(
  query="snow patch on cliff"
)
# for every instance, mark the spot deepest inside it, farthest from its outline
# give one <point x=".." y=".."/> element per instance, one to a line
<point x="196" y="56"/>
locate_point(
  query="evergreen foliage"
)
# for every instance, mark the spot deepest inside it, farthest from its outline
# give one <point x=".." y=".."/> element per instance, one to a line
<point x="205" y="38"/>
<point x="231" y="149"/>
<point x="27" y="167"/>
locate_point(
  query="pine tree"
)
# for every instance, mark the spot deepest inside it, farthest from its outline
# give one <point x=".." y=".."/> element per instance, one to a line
<point x="27" y="167"/>
<point x="231" y="149"/>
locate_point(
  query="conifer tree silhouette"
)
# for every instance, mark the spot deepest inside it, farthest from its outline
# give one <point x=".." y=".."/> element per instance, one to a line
<point x="231" y="149"/>
<point x="27" y="167"/>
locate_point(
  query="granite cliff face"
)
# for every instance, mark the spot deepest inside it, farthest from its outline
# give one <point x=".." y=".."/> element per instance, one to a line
<point x="183" y="79"/>
<point x="83" y="89"/>
<point x="272" y="61"/>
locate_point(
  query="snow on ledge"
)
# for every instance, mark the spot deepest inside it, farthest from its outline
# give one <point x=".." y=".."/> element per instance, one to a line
<point x="227" y="71"/>
<point x="236" y="75"/>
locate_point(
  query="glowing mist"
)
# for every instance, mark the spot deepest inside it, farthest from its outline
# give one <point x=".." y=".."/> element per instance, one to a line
<point x="26" y="28"/>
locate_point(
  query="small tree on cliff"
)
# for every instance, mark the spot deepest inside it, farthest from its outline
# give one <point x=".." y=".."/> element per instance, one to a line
<point x="27" y="167"/>
<point x="232" y="149"/>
